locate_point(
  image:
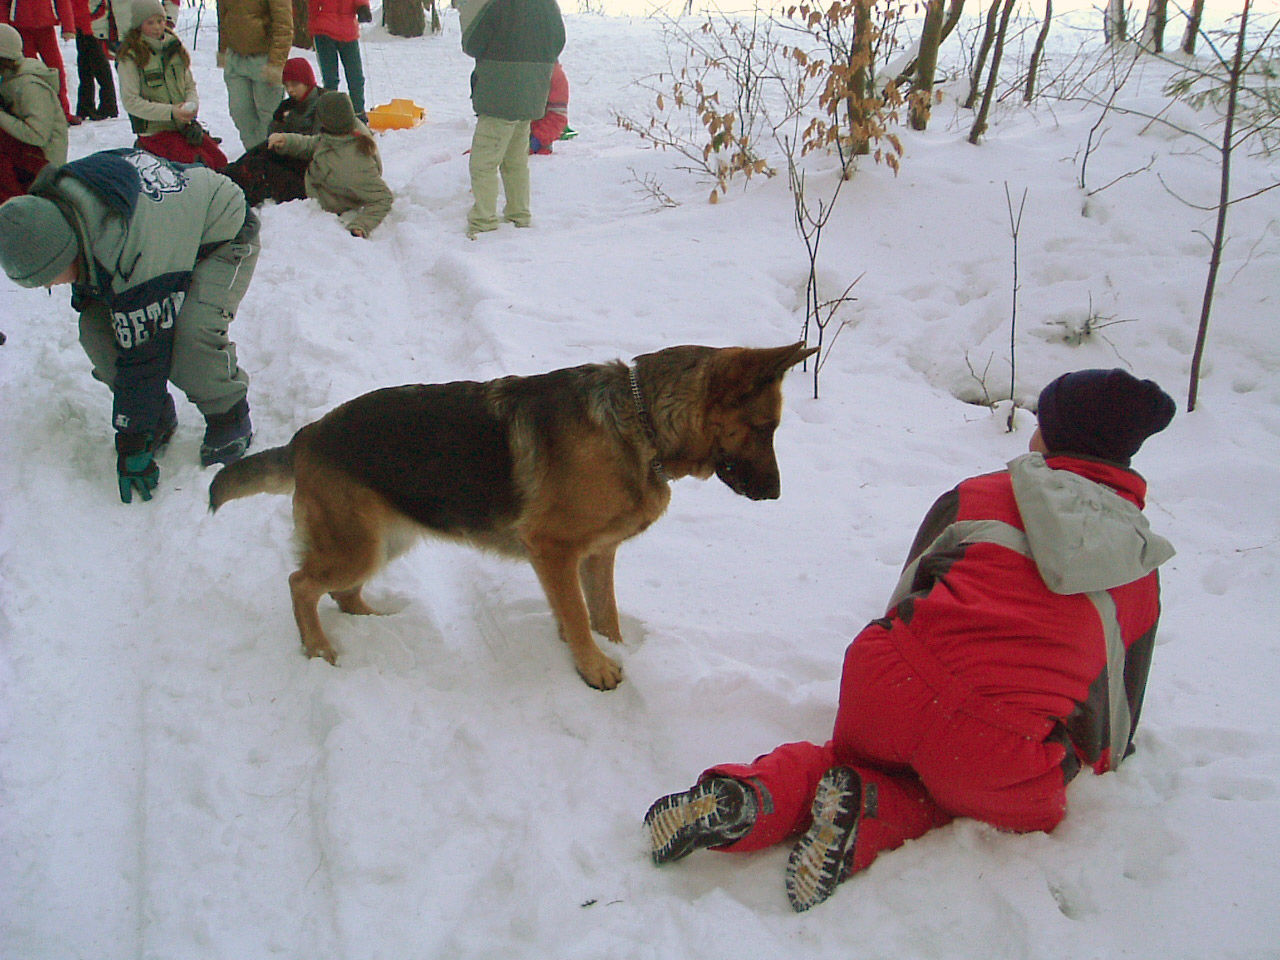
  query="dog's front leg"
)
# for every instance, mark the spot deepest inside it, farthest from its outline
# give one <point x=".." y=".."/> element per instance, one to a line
<point x="596" y="571"/>
<point x="557" y="567"/>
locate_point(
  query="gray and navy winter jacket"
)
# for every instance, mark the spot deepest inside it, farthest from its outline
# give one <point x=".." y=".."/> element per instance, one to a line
<point x="143" y="223"/>
<point x="515" y="43"/>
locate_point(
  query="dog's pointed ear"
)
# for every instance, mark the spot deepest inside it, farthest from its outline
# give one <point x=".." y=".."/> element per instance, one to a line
<point x="742" y="372"/>
<point x="784" y="358"/>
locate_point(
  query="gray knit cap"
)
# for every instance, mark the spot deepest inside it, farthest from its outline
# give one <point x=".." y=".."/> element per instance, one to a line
<point x="10" y="43"/>
<point x="36" y="242"/>
<point x="140" y="10"/>
<point x="335" y="112"/>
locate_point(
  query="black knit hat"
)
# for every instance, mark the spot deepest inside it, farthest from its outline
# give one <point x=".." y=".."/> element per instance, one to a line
<point x="1102" y="413"/>
<point x="335" y="113"/>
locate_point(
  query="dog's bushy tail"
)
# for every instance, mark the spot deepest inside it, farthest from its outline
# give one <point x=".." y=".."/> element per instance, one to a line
<point x="270" y="471"/>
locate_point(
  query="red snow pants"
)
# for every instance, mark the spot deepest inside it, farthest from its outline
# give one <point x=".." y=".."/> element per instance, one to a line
<point x="43" y="42"/>
<point x="927" y="746"/>
<point x="19" y="164"/>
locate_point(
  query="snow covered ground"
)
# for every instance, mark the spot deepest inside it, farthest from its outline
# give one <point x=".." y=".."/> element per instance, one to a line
<point x="177" y="781"/>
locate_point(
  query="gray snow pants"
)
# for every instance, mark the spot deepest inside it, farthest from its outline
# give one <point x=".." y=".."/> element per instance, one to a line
<point x="251" y="100"/>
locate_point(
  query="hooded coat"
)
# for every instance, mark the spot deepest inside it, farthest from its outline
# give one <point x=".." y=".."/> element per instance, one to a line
<point x="31" y="110"/>
<point x="1015" y="650"/>
<point x="342" y="177"/>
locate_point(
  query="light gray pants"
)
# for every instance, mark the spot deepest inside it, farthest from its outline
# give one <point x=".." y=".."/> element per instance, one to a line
<point x="251" y="100"/>
<point x="499" y="148"/>
<point x="203" y="365"/>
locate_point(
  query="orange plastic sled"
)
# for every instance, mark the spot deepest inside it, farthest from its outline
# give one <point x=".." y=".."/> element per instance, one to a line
<point x="396" y="115"/>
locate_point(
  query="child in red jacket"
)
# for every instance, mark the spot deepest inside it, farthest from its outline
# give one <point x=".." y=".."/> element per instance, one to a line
<point x="335" y="28"/>
<point x="1014" y="651"/>
<point x="546" y="131"/>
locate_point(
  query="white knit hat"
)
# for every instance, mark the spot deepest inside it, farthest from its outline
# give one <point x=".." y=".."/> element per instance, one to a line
<point x="140" y="10"/>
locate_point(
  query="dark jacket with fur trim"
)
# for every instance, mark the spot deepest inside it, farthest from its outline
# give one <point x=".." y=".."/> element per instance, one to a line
<point x="143" y="224"/>
<point x="1018" y="580"/>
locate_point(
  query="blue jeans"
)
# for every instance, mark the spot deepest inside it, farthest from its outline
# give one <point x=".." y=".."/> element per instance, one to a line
<point x="328" y="51"/>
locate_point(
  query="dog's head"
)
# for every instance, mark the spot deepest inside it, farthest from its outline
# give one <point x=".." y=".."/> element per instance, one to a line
<point x="744" y="405"/>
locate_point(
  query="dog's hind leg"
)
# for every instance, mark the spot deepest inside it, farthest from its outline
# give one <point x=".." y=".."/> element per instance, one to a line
<point x="306" y="591"/>
<point x="596" y="572"/>
<point x="342" y="547"/>
<point x="351" y="601"/>
<point x="557" y="567"/>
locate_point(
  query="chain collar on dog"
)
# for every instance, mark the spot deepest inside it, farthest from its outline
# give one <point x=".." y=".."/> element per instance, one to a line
<point x="647" y="426"/>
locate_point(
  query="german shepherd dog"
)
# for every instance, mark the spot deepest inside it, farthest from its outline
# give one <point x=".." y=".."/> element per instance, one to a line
<point x="557" y="468"/>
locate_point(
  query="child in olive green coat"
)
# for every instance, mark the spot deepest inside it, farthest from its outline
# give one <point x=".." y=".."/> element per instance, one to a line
<point x="345" y="169"/>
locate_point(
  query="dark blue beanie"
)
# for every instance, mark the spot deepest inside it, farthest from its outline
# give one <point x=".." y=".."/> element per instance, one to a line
<point x="1102" y="413"/>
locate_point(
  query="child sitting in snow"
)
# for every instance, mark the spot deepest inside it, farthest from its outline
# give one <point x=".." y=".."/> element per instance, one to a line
<point x="344" y="171"/>
<point x="547" y="130"/>
<point x="158" y="90"/>
<point x="266" y="175"/>
<point x="1013" y="654"/>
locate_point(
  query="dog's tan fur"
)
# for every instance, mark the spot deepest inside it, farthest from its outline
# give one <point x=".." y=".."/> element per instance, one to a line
<point x="558" y="468"/>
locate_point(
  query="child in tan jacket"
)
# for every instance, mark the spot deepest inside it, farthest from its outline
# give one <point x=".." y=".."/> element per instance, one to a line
<point x="345" y="169"/>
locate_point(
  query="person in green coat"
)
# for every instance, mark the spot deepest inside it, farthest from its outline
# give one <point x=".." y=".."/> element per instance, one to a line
<point x="515" y="44"/>
<point x="33" y="128"/>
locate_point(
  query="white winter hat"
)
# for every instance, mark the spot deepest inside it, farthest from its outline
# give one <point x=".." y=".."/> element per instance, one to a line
<point x="10" y="43"/>
<point x="140" y="10"/>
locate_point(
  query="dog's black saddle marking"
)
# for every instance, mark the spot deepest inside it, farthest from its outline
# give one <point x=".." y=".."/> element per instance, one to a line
<point x="435" y="451"/>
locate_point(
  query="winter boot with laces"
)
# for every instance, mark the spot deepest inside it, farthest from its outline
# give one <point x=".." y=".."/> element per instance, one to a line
<point x="712" y="813"/>
<point x="820" y="859"/>
<point x="227" y="435"/>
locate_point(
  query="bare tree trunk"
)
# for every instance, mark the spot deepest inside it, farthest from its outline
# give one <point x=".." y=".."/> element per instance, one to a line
<point x="980" y="121"/>
<point x="1113" y="26"/>
<point x="856" y="101"/>
<point x="980" y="61"/>
<point x="1224" y="200"/>
<point x="301" y="26"/>
<point x="1192" y="32"/>
<point x="948" y="24"/>
<point x="926" y="65"/>
<point x="404" y="18"/>
<point x="953" y="17"/>
<point x="1037" y="52"/>
<point x="1154" y="24"/>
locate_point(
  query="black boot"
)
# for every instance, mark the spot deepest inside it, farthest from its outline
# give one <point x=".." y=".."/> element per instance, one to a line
<point x="712" y="813"/>
<point x="821" y="857"/>
<point x="227" y="435"/>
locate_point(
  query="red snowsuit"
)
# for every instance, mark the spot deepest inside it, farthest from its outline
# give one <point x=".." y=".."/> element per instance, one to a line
<point x="987" y="684"/>
<point x="335" y="19"/>
<point x="36" y="22"/>
<point x="547" y="129"/>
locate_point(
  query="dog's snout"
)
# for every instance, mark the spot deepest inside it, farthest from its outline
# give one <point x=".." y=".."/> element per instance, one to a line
<point x="750" y="480"/>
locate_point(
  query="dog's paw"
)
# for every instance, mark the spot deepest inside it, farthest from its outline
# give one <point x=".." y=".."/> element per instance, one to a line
<point x="325" y="652"/>
<point x="601" y="673"/>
